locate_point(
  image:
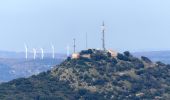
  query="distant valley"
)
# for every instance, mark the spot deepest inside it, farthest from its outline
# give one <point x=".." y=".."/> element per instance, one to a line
<point x="13" y="64"/>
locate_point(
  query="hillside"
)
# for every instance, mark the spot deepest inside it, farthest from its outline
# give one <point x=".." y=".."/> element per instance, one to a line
<point x="100" y="77"/>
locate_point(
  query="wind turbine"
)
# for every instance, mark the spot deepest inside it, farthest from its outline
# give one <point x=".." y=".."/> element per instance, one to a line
<point x="26" y="52"/>
<point x="34" y="52"/>
<point x="53" y="53"/>
<point x="42" y="53"/>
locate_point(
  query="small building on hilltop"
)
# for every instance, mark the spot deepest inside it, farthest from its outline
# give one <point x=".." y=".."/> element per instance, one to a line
<point x="86" y="56"/>
<point x="75" y="56"/>
<point x="113" y="53"/>
<point x="88" y="53"/>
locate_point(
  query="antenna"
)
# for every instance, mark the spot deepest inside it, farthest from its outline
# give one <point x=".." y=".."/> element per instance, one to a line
<point x="42" y="53"/>
<point x="34" y="52"/>
<point x="68" y="51"/>
<point x="103" y="37"/>
<point x="26" y="52"/>
<point x="86" y="41"/>
<point x="53" y="52"/>
<point x="74" y="45"/>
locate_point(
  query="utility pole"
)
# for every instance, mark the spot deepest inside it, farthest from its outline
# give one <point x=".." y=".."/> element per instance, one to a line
<point x="74" y="46"/>
<point x="103" y="36"/>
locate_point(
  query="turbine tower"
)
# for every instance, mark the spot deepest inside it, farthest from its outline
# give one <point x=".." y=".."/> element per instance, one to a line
<point x="26" y="52"/>
<point x="103" y="36"/>
<point x="74" y="45"/>
<point x="68" y="51"/>
<point x="42" y="53"/>
<point x="53" y="52"/>
<point x="34" y="53"/>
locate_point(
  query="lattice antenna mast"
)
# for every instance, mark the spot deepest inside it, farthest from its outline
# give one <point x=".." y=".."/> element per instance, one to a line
<point x="103" y="36"/>
<point x="74" y="45"/>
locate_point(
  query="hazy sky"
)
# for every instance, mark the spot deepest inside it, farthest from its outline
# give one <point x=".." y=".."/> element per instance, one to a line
<point x="135" y="25"/>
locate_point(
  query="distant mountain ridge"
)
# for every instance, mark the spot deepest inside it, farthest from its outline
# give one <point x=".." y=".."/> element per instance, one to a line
<point x="98" y="77"/>
<point x="163" y="56"/>
<point x="21" y="55"/>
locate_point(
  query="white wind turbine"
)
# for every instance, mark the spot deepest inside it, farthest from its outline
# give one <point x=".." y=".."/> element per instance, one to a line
<point x="53" y="52"/>
<point x="26" y="52"/>
<point x="34" y="53"/>
<point x="42" y="53"/>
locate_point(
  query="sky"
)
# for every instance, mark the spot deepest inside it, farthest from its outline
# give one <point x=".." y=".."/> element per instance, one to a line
<point x="134" y="25"/>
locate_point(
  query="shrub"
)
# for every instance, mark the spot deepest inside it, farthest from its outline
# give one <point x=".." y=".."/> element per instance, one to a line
<point x="122" y="57"/>
<point x="99" y="82"/>
<point x="160" y="63"/>
<point x="127" y="53"/>
<point x="82" y="92"/>
<point x="147" y="60"/>
<point x="89" y="51"/>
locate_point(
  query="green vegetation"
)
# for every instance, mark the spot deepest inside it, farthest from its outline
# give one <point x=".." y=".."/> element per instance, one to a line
<point x="101" y="77"/>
